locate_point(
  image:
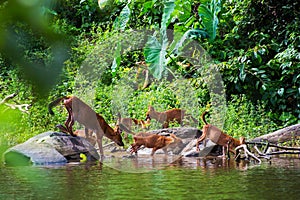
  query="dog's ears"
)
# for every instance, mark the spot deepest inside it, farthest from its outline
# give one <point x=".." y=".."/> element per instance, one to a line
<point x="117" y="130"/>
<point x="242" y="140"/>
<point x="150" y="108"/>
<point x="119" y="115"/>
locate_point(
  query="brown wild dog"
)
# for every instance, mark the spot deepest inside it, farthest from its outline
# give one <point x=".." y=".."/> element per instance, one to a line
<point x="129" y="122"/>
<point x="218" y="137"/>
<point x="168" y="116"/>
<point x="85" y="115"/>
<point x="155" y="142"/>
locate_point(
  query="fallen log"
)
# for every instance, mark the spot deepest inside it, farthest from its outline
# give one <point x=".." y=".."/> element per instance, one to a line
<point x="283" y="135"/>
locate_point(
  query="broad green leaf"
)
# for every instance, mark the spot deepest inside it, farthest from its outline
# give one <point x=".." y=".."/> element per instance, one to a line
<point x="146" y="7"/>
<point x="190" y="34"/>
<point x="102" y="3"/>
<point x="280" y="91"/>
<point x="182" y="10"/>
<point x="155" y="54"/>
<point x="208" y="14"/>
<point x="205" y="1"/>
<point x="122" y="20"/>
<point x="155" y="50"/>
<point x="169" y="6"/>
<point x="117" y="60"/>
<point x="242" y="74"/>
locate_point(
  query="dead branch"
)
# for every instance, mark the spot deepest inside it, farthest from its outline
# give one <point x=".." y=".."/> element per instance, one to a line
<point x="22" y="107"/>
<point x="283" y="152"/>
<point x="266" y="155"/>
<point x="274" y="145"/>
<point x="8" y="97"/>
<point x="247" y="152"/>
<point x="263" y="155"/>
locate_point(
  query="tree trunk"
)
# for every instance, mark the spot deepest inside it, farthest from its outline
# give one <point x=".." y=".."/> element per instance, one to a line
<point x="283" y="135"/>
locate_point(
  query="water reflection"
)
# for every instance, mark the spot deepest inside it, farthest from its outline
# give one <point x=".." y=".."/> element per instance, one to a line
<point x="185" y="178"/>
<point x="144" y="163"/>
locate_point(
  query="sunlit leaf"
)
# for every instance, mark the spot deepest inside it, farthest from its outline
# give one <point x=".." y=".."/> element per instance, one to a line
<point x="169" y="6"/>
<point x="102" y="3"/>
<point x="190" y="34"/>
<point x="155" y="50"/>
<point x="155" y="55"/>
<point x="208" y="14"/>
<point x="117" y="60"/>
<point x="122" y="20"/>
<point x="242" y="74"/>
<point x="280" y="91"/>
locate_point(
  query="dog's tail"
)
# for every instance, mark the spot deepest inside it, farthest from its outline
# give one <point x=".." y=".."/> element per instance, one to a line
<point x="119" y="116"/>
<point x="55" y="103"/>
<point x="191" y="117"/>
<point x="203" y="117"/>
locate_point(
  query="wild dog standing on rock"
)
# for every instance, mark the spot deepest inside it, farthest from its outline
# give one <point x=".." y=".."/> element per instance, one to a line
<point x="155" y="142"/>
<point x="85" y="115"/>
<point x="219" y="137"/>
<point x="129" y="122"/>
<point x="168" y="116"/>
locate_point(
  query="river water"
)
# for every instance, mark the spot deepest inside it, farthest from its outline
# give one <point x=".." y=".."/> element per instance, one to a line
<point x="155" y="178"/>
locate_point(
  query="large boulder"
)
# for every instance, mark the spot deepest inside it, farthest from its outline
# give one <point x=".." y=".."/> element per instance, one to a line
<point x="50" y="148"/>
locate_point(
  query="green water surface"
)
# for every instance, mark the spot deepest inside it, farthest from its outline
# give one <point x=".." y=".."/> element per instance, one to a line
<point x="186" y="179"/>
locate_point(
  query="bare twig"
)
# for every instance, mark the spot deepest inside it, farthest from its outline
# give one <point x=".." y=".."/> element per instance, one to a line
<point x="247" y="152"/>
<point x="283" y="152"/>
<point x="8" y="97"/>
<point x="22" y="107"/>
<point x="262" y="154"/>
<point x="273" y="145"/>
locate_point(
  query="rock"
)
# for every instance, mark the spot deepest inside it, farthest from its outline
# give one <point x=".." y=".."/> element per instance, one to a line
<point x="50" y="148"/>
<point x="210" y="149"/>
<point x="184" y="132"/>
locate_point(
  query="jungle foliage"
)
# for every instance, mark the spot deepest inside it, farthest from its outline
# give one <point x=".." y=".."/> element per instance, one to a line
<point x="254" y="45"/>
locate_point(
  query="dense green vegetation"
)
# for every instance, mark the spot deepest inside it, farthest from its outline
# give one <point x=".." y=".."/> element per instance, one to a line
<point x="254" y="46"/>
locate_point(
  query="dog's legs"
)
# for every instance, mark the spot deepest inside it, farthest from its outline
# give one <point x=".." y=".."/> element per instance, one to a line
<point x="99" y="135"/>
<point x="165" y="125"/>
<point x="203" y="136"/>
<point x="227" y="150"/>
<point x="153" y="151"/>
<point x="86" y="132"/>
<point x="136" y="148"/>
<point x="200" y="140"/>
<point x="223" y="152"/>
<point x="165" y="151"/>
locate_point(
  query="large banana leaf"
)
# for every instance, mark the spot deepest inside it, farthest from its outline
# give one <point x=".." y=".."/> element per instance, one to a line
<point x="155" y="54"/>
<point x="155" y="50"/>
<point x="121" y="21"/>
<point x="190" y="34"/>
<point x="169" y="6"/>
<point x="208" y="13"/>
